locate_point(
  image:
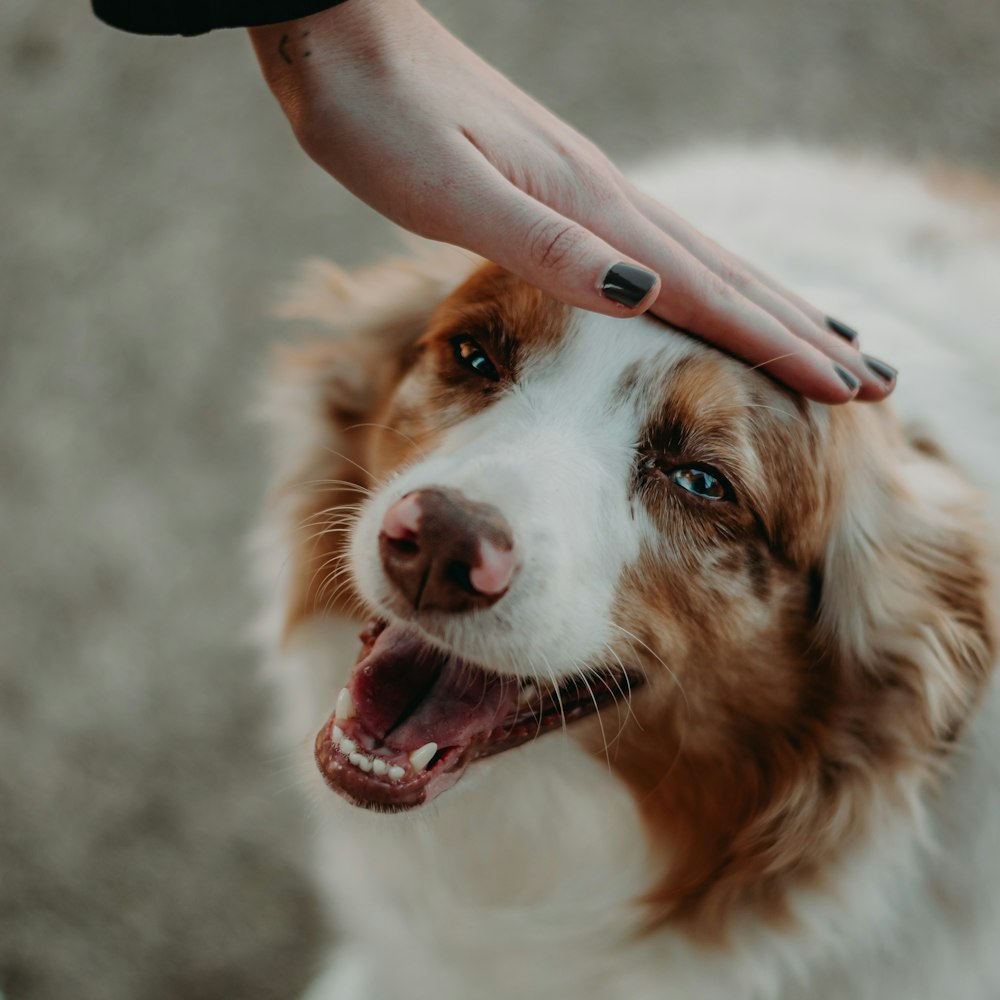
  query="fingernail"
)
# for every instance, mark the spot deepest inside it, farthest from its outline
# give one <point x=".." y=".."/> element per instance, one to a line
<point x="627" y="284"/>
<point x="847" y="378"/>
<point x="842" y="329"/>
<point x="885" y="372"/>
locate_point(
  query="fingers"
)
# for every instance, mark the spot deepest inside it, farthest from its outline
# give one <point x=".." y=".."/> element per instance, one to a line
<point x="768" y="332"/>
<point x="710" y="253"/>
<point x="799" y="317"/>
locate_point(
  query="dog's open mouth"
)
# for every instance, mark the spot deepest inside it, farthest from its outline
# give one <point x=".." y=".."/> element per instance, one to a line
<point x="412" y="718"/>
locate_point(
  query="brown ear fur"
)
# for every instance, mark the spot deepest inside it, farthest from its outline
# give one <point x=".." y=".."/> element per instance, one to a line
<point x="907" y="598"/>
<point x="884" y="657"/>
<point x="324" y="393"/>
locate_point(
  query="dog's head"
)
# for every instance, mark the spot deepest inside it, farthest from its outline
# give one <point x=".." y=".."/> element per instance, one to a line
<point x="766" y="614"/>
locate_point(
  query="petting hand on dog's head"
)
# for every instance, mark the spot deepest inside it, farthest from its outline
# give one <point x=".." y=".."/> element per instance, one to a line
<point x="414" y="123"/>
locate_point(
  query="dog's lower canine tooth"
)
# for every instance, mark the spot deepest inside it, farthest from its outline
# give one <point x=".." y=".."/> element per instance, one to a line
<point x="337" y="733"/>
<point x="345" y="705"/>
<point x="420" y="758"/>
<point x="526" y="695"/>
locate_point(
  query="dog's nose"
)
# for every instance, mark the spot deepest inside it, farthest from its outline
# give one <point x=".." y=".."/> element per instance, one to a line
<point x="445" y="552"/>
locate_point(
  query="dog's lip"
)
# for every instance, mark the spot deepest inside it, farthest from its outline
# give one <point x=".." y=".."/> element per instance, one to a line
<point x="517" y="712"/>
<point x="381" y="793"/>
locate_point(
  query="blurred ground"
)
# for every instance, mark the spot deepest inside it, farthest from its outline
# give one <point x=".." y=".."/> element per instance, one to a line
<point x="150" y="198"/>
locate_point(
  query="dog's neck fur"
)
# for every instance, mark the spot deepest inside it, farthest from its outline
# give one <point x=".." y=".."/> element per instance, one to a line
<point x="525" y="882"/>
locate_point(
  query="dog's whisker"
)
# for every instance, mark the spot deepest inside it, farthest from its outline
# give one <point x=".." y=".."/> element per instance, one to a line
<point x="339" y="454"/>
<point x="555" y="690"/>
<point x="346" y="485"/>
<point x="342" y="587"/>
<point x="624" y="698"/>
<point x="325" y="532"/>
<point x="333" y="576"/>
<point x="339" y="560"/>
<point x="627" y="692"/>
<point x="341" y="513"/>
<point x="600" y="720"/>
<point x="336" y="510"/>
<point x="682" y="731"/>
<point x="394" y="430"/>
<point x="314" y="539"/>
<point x="341" y="573"/>
<point x="331" y="600"/>
<point x="652" y="652"/>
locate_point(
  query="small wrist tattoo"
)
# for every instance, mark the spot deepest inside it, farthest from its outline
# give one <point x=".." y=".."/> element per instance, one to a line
<point x="283" y="47"/>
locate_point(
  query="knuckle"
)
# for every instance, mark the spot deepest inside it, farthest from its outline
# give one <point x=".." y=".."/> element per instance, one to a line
<point x="724" y="294"/>
<point x="610" y="210"/>
<point x="588" y="159"/>
<point x="735" y="277"/>
<point x="594" y="192"/>
<point x="552" y="243"/>
<point x="703" y="298"/>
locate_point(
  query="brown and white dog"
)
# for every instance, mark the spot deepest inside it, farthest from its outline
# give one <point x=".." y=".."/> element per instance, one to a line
<point x="671" y="684"/>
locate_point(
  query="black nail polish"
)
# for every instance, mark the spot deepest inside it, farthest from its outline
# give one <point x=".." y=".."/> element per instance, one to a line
<point x="885" y="372"/>
<point x="851" y="381"/>
<point x="842" y="329"/>
<point x="627" y="284"/>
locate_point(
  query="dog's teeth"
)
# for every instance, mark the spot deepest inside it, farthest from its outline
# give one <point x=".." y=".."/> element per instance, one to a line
<point x="360" y="761"/>
<point x="347" y="747"/>
<point x="419" y="759"/>
<point x="380" y="767"/>
<point x="396" y="772"/>
<point x="337" y="733"/>
<point x="526" y="695"/>
<point x="345" y="705"/>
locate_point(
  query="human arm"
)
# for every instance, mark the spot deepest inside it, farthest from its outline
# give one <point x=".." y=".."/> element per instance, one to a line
<point x="427" y="133"/>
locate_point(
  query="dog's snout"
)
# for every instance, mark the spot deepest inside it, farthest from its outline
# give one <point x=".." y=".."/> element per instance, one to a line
<point x="446" y="552"/>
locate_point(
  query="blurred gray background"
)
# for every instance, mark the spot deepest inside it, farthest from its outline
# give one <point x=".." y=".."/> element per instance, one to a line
<point x="151" y="198"/>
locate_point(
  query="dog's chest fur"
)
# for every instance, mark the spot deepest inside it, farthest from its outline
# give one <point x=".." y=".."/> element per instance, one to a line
<point x="524" y="880"/>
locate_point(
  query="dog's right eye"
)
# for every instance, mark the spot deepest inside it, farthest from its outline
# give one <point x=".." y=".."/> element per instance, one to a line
<point x="471" y="355"/>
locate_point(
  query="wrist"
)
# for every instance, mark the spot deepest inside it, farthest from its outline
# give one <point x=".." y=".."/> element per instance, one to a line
<point x="363" y="34"/>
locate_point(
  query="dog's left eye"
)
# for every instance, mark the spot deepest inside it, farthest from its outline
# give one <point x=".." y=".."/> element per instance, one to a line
<point x="472" y="356"/>
<point x="701" y="481"/>
<point x="704" y="483"/>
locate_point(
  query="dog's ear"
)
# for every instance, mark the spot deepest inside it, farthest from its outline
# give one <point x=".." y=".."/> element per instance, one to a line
<point x="906" y="603"/>
<point x="370" y="319"/>
<point x="323" y="391"/>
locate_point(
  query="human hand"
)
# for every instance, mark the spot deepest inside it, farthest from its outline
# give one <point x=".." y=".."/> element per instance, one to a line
<point x="414" y="123"/>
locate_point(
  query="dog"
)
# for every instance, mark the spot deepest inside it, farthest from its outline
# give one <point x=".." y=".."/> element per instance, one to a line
<point x="621" y="671"/>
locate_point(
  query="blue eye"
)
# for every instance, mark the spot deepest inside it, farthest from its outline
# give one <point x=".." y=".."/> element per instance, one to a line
<point x="472" y="356"/>
<point x="701" y="482"/>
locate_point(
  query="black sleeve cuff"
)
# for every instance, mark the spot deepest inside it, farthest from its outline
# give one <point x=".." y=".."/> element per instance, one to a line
<point x="176" y="17"/>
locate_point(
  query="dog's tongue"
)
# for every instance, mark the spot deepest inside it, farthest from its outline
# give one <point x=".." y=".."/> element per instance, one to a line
<point x="407" y="693"/>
